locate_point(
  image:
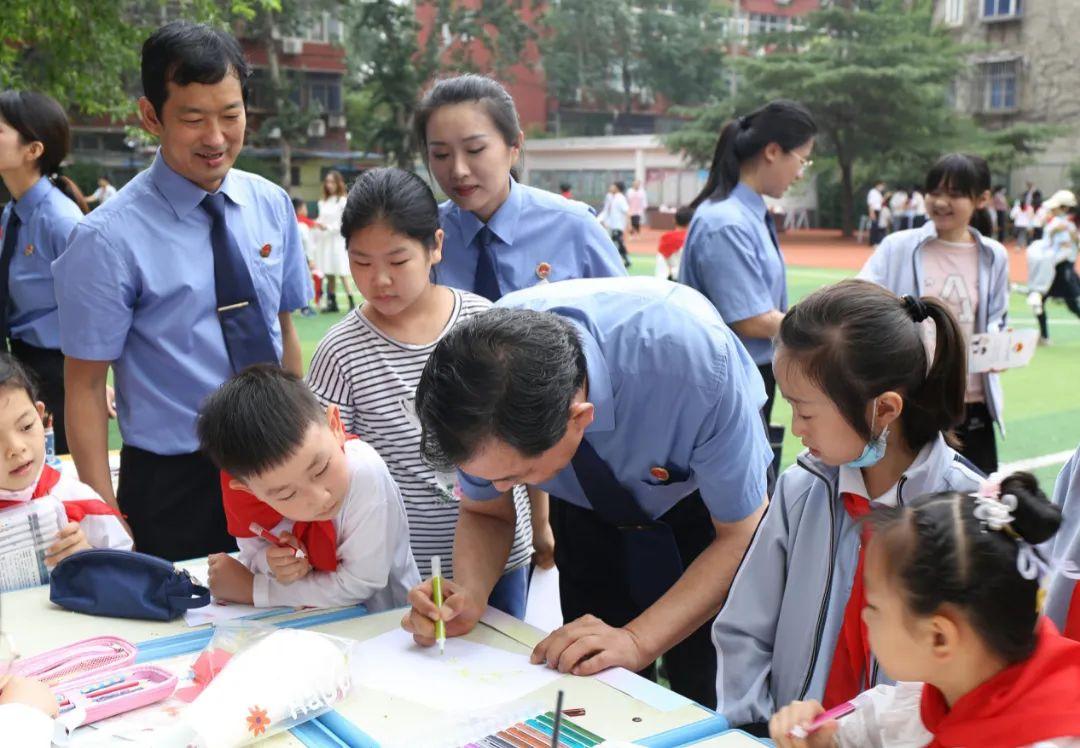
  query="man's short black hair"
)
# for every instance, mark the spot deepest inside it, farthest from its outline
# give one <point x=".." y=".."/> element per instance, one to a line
<point x="184" y="52"/>
<point x="505" y="374"/>
<point x="257" y="420"/>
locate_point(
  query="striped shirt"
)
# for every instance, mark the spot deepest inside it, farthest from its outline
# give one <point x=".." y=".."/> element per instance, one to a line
<point x="372" y="378"/>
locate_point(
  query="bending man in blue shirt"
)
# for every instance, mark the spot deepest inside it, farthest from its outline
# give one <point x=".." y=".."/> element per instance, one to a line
<point x="184" y="277"/>
<point x="630" y="401"/>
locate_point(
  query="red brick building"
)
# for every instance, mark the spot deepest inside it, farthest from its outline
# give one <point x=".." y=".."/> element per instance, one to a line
<point x="540" y="111"/>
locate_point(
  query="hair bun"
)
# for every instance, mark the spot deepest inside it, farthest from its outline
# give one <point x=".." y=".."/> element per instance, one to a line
<point x="1035" y="518"/>
<point x="915" y="307"/>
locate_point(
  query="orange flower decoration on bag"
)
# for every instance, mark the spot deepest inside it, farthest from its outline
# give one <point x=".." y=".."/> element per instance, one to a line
<point x="257" y="720"/>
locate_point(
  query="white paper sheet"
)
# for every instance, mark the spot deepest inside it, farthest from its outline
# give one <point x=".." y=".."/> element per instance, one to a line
<point x="215" y="613"/>
<point x="468" y="676"/>
<point x="997" y="351"/>
<point x="543" y="608"/>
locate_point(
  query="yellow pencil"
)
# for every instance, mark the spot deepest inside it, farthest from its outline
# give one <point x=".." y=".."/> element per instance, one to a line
<point x="437" y="598"/>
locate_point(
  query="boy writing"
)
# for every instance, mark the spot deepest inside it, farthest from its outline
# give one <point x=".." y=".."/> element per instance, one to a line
<point x="295" y="473"/>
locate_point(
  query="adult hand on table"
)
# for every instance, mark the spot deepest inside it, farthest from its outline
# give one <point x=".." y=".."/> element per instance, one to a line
<point x="460" y="611"/>
<point x="588" y="645"/>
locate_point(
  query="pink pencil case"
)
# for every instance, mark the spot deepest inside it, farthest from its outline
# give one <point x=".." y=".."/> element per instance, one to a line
<point x="106" y="695"/>
<point x="83" y="659"/>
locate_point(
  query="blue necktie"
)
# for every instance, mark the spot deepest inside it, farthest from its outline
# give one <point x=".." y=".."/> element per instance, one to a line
<point x="651" y="556"/>
<point x="772" y="229"/>
<point x="247" y="337"/>
<point x="11" y="238"/>
<point x="487" y="281"/>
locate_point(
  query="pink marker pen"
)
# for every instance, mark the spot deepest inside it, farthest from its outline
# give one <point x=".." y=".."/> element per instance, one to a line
<point x="265" y="534"/>
<point x="837" y="712"/>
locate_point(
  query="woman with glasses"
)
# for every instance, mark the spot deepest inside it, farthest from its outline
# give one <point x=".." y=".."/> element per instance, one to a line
<point x="732" y="254"/>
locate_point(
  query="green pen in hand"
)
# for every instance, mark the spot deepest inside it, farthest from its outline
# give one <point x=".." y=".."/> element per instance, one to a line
<point x="437" y="598"/>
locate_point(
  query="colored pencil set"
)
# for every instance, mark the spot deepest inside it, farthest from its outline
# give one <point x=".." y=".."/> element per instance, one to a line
<point x="537" y="733"/>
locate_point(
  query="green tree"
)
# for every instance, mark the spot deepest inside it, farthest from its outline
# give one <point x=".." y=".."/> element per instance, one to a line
<point x="590" y="52"/>
<point x="875" y="80"/>
<point x="288" y="126"/>
<point x="86" y="54"/>
<point x="603" y="51"/>
<point x="389" y="66"/>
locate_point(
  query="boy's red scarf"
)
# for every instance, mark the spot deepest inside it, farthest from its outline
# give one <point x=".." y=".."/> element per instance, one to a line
<point x="76" y="508"/>
<point x="1037" y="699"/>
<point x="242" y="508"/>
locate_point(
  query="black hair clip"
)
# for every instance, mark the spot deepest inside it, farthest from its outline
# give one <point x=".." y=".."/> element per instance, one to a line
<point x="916" y="308"/>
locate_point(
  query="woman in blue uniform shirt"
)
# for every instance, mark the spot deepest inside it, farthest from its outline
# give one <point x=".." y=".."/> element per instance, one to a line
<point x="34" y="139"/>
<point x="501" y="235"/>
<point x="732" y="254"/>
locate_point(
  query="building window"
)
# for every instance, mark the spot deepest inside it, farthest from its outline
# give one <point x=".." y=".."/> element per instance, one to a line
<point x="954" y="12"/>
<point x="1002" y="9"/>
<point x="767" y="23"/>
<point x="999" y="86"/>
<point x="326" y="95"/>
<point x="294" y="176"/>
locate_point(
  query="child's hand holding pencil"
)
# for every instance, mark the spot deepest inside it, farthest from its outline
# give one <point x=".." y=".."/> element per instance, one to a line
<point x="803" y="724"/>
<point x="286" y="563"/>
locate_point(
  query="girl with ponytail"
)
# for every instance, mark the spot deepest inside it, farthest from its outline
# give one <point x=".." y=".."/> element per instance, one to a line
<point x="952" y="586"/>
<point x="954" y="258"/>
<point x="732" y="254"/>
<point x="874" y="411"/>
<point x="34" y="140"/>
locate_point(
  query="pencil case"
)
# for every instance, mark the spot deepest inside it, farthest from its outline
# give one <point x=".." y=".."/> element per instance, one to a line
<point x="80" y="660"/>
<point x="90" y="700"/>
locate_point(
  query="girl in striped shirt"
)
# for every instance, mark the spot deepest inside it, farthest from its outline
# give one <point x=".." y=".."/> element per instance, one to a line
<point x="370" y="363"/>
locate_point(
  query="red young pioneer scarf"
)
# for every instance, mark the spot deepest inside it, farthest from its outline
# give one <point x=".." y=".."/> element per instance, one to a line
<point x="319" y="539"/>
<point x="76" y="508"/>
<point x="1072" y="615"/>
<point x="1037" y="699"/>
<point x="852" y="656"/>
<point x="242" y="508"/>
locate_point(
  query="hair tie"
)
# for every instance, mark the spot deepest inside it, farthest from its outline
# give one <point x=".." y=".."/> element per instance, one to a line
<point x="744" y="123"/>
<point x="916" y="308"/>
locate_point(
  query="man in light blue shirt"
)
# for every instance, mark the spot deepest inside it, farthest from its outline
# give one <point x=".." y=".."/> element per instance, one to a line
<point x="537" y="237"/>
<point x="629" y="400"/>
<point x="140" y="287"/>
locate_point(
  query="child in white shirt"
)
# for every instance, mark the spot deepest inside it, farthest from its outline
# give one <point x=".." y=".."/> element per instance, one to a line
<point x="294" y="473"/>
<point x="952" y="584"/>
<point x="83" y="518"/>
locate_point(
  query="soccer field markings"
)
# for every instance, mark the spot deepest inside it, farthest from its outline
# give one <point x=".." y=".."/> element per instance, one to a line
<point x="1034" y="463"/>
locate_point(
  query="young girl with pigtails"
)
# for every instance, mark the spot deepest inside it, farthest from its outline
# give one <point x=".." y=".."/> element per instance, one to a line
<point x="953" y="594"/>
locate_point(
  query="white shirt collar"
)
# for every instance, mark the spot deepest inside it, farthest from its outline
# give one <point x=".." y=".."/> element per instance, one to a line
<point x="851" y="479"/>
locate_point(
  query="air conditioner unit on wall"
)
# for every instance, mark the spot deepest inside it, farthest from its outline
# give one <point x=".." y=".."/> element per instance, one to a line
<point x="292" y="45"/>
<point x="317" y="128"/>
<point x="337" y="120"/>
